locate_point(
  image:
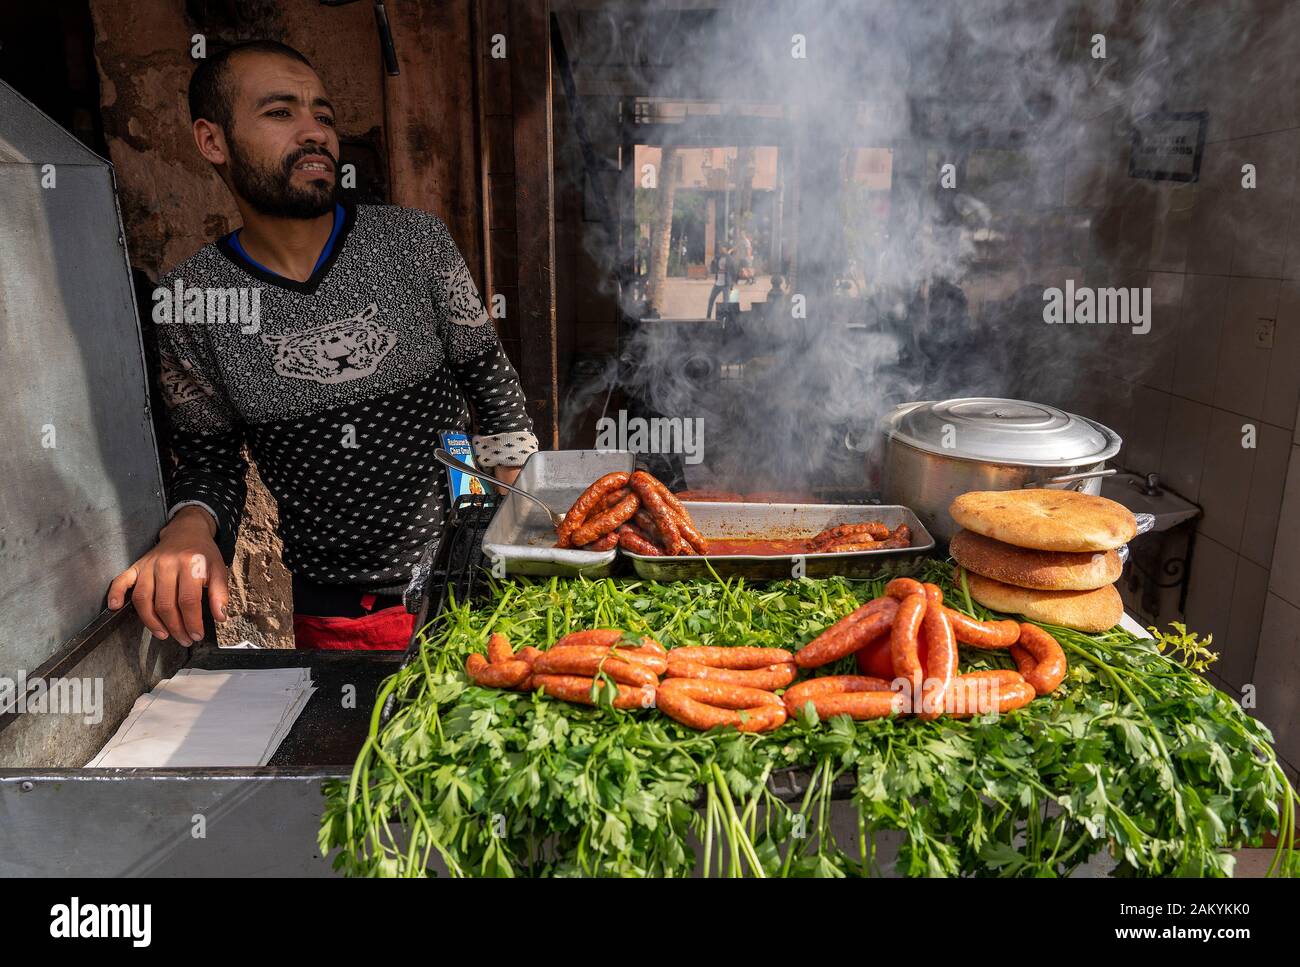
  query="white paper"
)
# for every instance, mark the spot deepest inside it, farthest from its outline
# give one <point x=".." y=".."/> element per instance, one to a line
<point x="199" y="717"/>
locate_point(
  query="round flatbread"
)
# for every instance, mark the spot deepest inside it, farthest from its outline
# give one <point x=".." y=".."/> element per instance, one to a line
<point x="1043" y="570"/>
<point x="1092" y="611"/>
<point x="1046" y="520"/>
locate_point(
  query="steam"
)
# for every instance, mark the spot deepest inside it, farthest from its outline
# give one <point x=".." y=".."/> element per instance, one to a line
<point x="1038" y="129"/>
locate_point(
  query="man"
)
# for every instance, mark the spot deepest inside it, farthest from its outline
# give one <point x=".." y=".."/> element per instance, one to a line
<point x="367" y="337"/>
<point x="723" y="268"/>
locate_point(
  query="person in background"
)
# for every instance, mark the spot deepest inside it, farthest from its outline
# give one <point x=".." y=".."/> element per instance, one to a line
<point x="369" y="339"/>
<point x="776" y="298"/>
<point x="724" y="272"/>
<point x="745" y="255"/>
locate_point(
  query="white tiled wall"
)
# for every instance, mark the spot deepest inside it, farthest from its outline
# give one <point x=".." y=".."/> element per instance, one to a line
<point x="1208" y="403"/>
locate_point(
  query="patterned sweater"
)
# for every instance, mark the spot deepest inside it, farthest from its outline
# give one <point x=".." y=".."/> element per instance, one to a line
<point x="339" y="386"/>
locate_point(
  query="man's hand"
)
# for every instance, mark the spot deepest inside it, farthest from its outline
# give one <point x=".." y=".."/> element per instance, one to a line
<point x="169" y="579"/>
<point x="508" y="474"/>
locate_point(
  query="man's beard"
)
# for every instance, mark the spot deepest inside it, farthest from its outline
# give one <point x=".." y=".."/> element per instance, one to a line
<point x="271" y="191"/>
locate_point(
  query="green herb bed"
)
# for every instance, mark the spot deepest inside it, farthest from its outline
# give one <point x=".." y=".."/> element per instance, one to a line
<point x="1135" y="754"/>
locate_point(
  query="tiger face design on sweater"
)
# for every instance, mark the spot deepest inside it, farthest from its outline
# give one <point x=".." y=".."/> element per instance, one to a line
<point x="336" y="352"/>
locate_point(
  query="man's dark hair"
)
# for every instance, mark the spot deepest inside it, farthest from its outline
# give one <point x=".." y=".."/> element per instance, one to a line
<point x="212" y="88"/>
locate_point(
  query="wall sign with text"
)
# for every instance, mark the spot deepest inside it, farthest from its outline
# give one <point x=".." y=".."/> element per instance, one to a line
<point x="1167" y="145"/>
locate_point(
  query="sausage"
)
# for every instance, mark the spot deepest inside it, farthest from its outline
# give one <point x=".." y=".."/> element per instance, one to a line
<point x="1040" y="659"/>
<point x="848" y="634"/>
<point x="744" y="659"/>
<point x="508" y="674"/>
<point x="577" y="689"/>
<point x="850" y="546"/>
<point x="858" y="696"/>
<point x="682" y="517"/>
<point x="977" y="693"/>
<point x="874" y="530"/>
<point x="874" y="658"/>
<point x="904" y="646"/>
<point x="700" y="704"/>
<point x="773" y="676"/>
<point x="647" y="644"/>
<point x="474" y="664"/>
<point x="606" y="542"/>
<point x="607" y="520"/>
<point x="499" y="649"/>
<point x="529" y="654"/>
<point x="940" y="654"/>
<point x="645" y="657"/>
<point x="614" y="497"/>
<point x="900" y="537"/>
<point x="581" y="661"/>
<point x="690" y="534"/>
<point x="643" y="520"/>
<point x="592" y="636"/>
<point x="634" y="542"/>
<point x="900" y="588"/>
<point x="628" y="642"/>
<point x="859" y="705"/>
<point x="665" y="522"/>
<point x="587" y="501"/>
<point x="982" y="634"/>
<point x="671" y="499"/>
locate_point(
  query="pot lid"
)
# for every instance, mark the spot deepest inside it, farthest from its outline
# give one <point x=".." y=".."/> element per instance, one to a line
<point x="1001" y="431"/>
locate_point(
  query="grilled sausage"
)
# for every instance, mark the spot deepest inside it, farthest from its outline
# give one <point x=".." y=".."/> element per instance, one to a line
<point x="634" y="541"/>
<point x="607" y="520"/>
<point x="606" y="542"/>
<point x="849" y="634"/>
<point x="614" y="497"/>
<point x="665" y="521"/>
<point x="849" y="546"/>
<point x="701" y="704"/>
<point x="682" y="517"/>
<point x="587" y="501"/>
<point x="870" y="530"/>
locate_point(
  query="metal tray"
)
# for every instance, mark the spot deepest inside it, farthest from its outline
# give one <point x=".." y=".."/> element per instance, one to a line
<point x="521" y="537"/>
<point x="722" y="520"/>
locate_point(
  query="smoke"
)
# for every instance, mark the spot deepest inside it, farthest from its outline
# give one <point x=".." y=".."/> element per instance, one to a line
<point x="947" y="294"/>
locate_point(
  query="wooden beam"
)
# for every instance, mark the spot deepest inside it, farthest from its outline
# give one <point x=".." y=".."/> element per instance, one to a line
<point x="529" y="54"/>
<point x="431" y="120"/>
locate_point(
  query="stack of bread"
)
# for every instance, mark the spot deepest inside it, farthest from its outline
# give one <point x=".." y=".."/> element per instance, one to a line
<point x="1050" y="555"/>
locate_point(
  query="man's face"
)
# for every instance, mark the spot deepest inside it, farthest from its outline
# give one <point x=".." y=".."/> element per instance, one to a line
<point x="283" y="148"/>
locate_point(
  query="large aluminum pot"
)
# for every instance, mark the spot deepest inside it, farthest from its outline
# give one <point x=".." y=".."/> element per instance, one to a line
<point x="936" y="450"/>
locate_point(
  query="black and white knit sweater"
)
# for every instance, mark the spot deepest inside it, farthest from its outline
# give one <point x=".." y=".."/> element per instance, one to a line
<point x="340" y="386"/>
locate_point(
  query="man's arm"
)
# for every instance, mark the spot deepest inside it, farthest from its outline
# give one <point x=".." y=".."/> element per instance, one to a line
<point x="505" y="436"/>
<point x="207" y="491"/>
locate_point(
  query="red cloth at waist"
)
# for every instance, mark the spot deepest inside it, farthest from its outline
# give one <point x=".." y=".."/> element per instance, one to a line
<point x="384" y="630"/>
